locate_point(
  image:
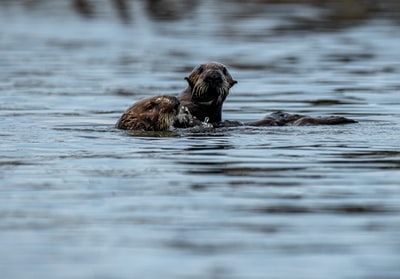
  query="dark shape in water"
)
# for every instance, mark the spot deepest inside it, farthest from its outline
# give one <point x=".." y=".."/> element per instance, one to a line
<point x="83" y="7"/>
<point x="87" y="9"/>
<point x="285" y="119"/>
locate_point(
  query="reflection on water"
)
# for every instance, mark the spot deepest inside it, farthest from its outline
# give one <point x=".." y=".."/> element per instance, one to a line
<point x="80" y="199"/>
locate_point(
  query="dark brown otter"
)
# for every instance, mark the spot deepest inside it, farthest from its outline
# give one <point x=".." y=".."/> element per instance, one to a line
<point x="155" y="113"/>
<point x="208" y="87"/>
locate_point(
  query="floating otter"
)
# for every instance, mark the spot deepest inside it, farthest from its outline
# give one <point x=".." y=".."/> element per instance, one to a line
<point x="208" y="87"/>
<point x="201" y="101"/>
<point x="155" y="113"/>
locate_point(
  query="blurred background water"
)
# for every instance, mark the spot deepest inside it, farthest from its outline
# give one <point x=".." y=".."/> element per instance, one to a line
<point x="80" y="199"/>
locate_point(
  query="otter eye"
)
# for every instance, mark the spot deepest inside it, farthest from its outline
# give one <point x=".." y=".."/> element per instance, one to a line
<point x="200" y="70"/>
<point x="151" y="106"/>
<point x="224" y="70"/>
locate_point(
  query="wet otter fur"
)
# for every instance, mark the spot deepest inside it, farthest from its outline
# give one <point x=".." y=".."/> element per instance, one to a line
<point x="156" y="113"/>
<point x="280" y="118"/>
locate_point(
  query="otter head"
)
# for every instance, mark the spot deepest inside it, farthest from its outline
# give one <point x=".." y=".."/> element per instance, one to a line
<point x="155" y="113"/>
<point x="210" y="83"/>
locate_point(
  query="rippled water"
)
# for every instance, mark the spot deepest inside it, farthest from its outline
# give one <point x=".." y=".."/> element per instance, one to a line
<point x="80" y="199"/>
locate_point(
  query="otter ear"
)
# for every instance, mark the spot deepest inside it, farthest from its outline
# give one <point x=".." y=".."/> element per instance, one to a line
<point x="189" y="82"/>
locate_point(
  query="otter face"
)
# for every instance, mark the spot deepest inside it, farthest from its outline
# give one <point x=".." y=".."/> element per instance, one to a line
<point x="155" y="113"/>
<point x="210" y="83"/>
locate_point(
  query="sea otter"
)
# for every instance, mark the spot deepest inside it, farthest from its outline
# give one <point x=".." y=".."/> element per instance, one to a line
<point x="155" y="113"/>
<point x="201" y="102"/>
<point x="208" y="87"/>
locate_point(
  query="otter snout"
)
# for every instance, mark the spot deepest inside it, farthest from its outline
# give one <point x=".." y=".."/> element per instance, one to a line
<point x="213" y="77"/>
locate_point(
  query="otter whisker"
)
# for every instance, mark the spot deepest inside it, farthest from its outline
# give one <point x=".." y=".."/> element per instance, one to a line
<point x="219" y="95"/>
<point x="206" y="87"/>
<point x="200" y="89"/>
<point x="222" y="93"/>
<point x="196" y="90"/>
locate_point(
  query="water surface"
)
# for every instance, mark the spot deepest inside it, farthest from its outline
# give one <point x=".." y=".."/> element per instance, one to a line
<point x="81" y="199"/>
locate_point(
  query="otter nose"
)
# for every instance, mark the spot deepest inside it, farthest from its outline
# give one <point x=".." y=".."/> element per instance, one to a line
<point x="214" y="77"/>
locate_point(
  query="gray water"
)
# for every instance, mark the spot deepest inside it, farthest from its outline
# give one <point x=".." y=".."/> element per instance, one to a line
<point x="81" y="199"/>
